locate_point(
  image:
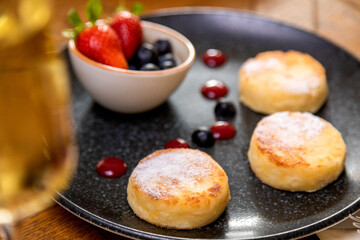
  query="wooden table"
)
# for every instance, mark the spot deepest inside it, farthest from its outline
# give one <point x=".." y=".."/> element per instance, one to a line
<point x="336" y="20"/>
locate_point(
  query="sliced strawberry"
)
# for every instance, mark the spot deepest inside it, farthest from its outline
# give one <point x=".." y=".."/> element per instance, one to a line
<point x="128" y="28"/>
<point x="101" y="43"/>
<point x="98" y="42"/>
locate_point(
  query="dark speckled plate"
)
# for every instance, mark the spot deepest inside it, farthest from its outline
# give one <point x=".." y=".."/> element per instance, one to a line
<point x="255" y="210"/>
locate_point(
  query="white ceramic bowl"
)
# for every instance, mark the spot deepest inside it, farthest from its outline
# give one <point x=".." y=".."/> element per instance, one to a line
<point x="129" y="91"/>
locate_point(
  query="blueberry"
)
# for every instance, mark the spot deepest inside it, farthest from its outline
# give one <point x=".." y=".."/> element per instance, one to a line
<point x="163" y="46"/>
<point x="146" y="54"/>
<point x="165" y="58"/>
<point x="203" y="137"/>
<point x="168" y="64"/>
<point x="134" y="63"/>
<point x="149" y="67"/>
<point x="224" y="110"/>
<point x="132" y="67"/>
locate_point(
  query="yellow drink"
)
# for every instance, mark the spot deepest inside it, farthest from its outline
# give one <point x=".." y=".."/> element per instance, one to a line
<point x="37" y="153"/>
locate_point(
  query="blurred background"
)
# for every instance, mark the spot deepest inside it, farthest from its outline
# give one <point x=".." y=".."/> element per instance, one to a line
<point x="335" y="20"/>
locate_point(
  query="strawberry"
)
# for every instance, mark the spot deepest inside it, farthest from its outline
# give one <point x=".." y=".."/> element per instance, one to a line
<point x="98" y="42"/>
<point x="128" y="28"/>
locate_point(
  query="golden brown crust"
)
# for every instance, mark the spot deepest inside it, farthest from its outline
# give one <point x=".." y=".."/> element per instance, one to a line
<point x="277" y="81"/>
<point x="296" y="151"/>
<point x="178" y="188"/>
<point x="293" y="155"/>
<point x="215" y="190"/>
<point x="167" y="183"/>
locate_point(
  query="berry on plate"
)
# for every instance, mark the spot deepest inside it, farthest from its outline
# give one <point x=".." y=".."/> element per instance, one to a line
<point x="214" y="89"/>
<point x="224" y="110"/>
<point x="214" y="58"/>
<point x="223" y="130"/>
<point x="177" y="143"/>
<point x="203" y="137"/>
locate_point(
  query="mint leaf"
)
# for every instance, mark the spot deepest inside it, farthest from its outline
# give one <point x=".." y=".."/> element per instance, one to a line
<point x="74" y="19"/>
<point x="137" y="8"/>
<point x="93" y="10"/>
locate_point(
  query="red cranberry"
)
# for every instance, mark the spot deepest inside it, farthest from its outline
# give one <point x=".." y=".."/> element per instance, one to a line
<point x="214" y="58"/>
<point x="214" y="89"/>
<point x="177" y="143"/>
<point x="223" y="130"/>
<point x="111" y="167"/>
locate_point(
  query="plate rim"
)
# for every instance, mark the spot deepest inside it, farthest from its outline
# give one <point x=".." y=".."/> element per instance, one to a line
<point x="188" y="10"/>
<point x="138" y="234"/>
<point x="303" y="231"/>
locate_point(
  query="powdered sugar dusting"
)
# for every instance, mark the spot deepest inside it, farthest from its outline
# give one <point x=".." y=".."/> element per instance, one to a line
<point x="291" y="129"/>
<point x="292" y="76"/>
<point x="252" y="66"/>
<point x="302" y="85"/>
<point x="169" y="173"/>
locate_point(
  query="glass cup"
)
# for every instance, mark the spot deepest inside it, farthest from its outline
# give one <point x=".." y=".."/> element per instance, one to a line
<point x="38" y="153"/>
